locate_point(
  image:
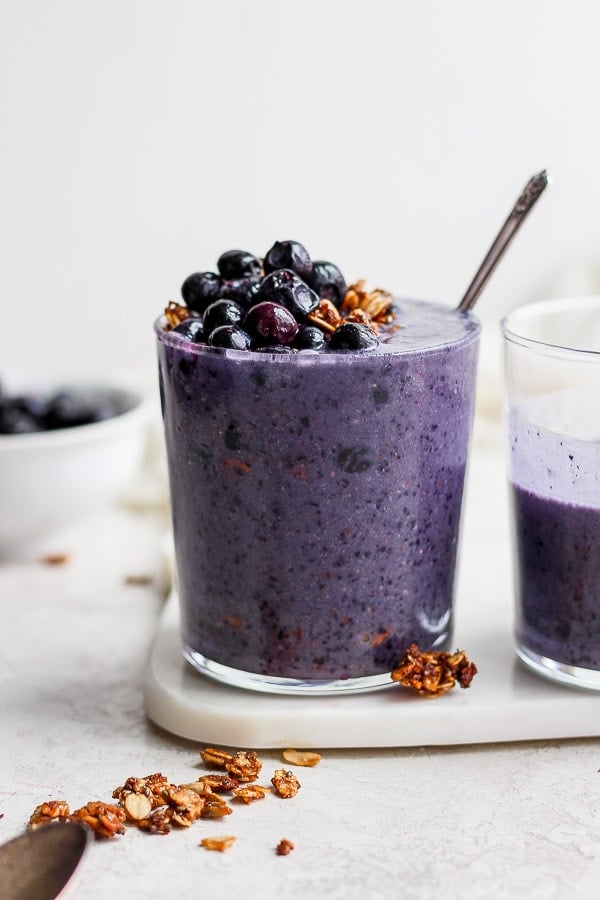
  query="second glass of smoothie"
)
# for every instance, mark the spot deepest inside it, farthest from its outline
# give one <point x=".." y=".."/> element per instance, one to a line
<point x="552" y="354"/>
<point x="316" y="500"/>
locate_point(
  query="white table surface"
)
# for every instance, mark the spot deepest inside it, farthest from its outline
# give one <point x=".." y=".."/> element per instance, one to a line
<point x="495" y="820"/>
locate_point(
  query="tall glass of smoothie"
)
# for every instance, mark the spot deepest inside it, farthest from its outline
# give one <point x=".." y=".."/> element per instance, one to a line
<point x="552" y="358"/>
<point x="316" y="483"/>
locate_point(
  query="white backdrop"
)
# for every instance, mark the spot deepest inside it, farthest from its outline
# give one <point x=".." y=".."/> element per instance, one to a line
<point x="139" y="139"/>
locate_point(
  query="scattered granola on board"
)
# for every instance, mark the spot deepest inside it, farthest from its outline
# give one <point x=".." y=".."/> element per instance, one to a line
<point x="432" y="673"/>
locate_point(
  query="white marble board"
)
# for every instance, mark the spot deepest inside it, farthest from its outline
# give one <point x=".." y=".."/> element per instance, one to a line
<point x="505" y="703"/>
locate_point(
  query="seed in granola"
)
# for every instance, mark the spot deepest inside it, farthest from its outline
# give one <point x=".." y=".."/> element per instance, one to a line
<point x="137" y="806"/>
<point x="285" y="783"/>
<point x="150" y="785"/>
<point x="326" y="316"/>
<point x="158" y="822"/>
<point x="215" y="757"/>
<point x="187" y="806"/>
<point x="215" y="807"/>
<point x="217" y="843"/>
<point x="175" y="313"/>
<point x="244" y="765"/>
<point x="251" y="792"/>
<point x="377" y="303"/>
<point x="51" y="811"/>
<point x="284" y="847"/>
<point x="301" y="757"/>
<point x="103" y="819"/>
<point x="218" y="783"/>
<point x="433" y="673"/>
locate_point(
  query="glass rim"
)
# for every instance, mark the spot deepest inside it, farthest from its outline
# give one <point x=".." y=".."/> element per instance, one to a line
<point x="164" y="336"/>
<point x="545" y="309"/>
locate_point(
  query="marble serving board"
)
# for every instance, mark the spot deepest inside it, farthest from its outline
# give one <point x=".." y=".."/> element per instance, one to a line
<point x="506" y="702"/>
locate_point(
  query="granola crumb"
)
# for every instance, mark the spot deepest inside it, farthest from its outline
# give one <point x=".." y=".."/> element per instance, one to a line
<point x="285" y="783"/>
<point x="174" y="314"/>
<point x="51" y="811"/>
<point x="250" y="792"/>
<point x="55" y="559"/>
<point x="284" y="847"/>
<point x="138" y="580"/>
<point x="103" y="819"/>
<point x="244" y="765"/>
<point x="301" y="757"/>
<point x="221" y="843"/>
<point x="433" y="673"/>
<point x="377" y="303"/>
<point x="212" y="756"/>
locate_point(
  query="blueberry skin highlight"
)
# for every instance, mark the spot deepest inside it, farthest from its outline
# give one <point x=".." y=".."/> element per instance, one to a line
<point x="229" y="336"/>
<point x="288" y="255"/>
<point x="353" y="336"/>
<point x="234" y="264"/>
<point x="283" y="286"/>
<point x="270" y="323"/>
<point x="200" y="290"/>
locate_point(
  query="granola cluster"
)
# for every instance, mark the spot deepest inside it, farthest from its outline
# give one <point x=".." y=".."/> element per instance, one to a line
<point x="154" y="805"/>
<point x="370" y="308"/>
<point x="432" y="673"/>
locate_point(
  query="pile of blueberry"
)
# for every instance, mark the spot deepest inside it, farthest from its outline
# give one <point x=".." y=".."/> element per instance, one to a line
<point x="263" y="305"/>
<point x="26" y="413"/>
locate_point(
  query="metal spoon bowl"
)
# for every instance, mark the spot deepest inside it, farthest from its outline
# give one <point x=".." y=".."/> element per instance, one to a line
<point x="38" y="864"/>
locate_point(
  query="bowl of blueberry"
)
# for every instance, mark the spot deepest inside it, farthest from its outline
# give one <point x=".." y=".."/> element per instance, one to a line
<point x="65" y="451"/>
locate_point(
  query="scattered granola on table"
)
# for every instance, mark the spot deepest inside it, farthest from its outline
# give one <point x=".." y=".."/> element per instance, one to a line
<point x="284" y="847"/>
<point x="103" y="819"/>
<point x="285" y="783"/>
<point x="301" y="757"/>
<point x="52" y="811"/>
<point x="153" y="804"/>
<point x="251" y="792"/>
<point x="217" y="843"/>
<point x="55" y="559"/>
<point x="138" y="580"/>
<point x="432" y="673"/>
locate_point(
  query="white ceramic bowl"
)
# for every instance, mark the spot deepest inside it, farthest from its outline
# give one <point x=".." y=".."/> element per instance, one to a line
<point x="51" y="479"/>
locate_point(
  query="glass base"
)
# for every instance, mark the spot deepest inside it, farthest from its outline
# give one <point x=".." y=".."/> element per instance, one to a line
<point x="574" y="676"/>
<point x="273" y="684"/>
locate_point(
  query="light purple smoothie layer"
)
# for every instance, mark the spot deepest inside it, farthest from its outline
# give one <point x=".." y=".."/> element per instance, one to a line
<point x="555" y="475"/>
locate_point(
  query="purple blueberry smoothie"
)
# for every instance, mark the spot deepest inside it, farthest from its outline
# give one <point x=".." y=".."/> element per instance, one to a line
<point x="555" y="494"/>
<point x="316" y="498"/>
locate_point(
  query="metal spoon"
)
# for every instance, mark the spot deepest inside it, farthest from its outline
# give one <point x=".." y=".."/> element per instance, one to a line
<point x="531" y="192"/>
<point x="38" y="864"/>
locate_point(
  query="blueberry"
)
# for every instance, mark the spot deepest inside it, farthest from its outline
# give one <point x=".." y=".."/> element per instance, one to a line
<point x="222" y="312"/>
<point x="309" y="337"/>
<point x="270" y="323"/>
<point x="229" y="336"/>
<point x="67" y="409"/>
<point x="191" y="329"/>
<point x="238" y="264"/>
<point x="200" y="290"/>
<point x="288" y="255"/>
<point x="16" y="421"/>
<point x="285" y="288"/>
<point x="241" y="290"/>
<point x="35" y="405"/>
<point x="353" y="336"/>
<point x="327" y="281"/>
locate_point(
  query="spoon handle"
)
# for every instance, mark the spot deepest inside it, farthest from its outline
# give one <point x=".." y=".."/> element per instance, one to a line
<point x="533" y="189"/>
